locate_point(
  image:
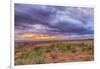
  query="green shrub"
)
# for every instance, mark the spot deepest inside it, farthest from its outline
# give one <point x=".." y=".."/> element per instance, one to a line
<point x="83" y="47"/>
<point x="50" y="48"/>
<point x="87" y="59"/>
<point x="35" y="54"/>
<point x="38" y="55"/>
<point x="19" y="62"/>
<point x="73" y="50"/>
<point x="90" y="47"/>
<point x="68" y="47"/>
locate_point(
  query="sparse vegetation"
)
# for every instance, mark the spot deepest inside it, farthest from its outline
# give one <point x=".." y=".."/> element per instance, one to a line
<point x="53" y="52"/>
<point x="73" y="50"/>
<point x="87" y="59"/>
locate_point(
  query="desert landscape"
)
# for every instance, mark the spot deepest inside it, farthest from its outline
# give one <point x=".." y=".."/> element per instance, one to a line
<point x="47" y="34"/>
<point x="43" y="52"/>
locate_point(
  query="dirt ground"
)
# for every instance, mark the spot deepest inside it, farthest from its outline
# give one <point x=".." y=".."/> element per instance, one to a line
<point x="53" y="52"/>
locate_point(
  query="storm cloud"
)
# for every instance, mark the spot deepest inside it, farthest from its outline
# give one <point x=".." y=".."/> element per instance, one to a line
<point x="46" y="19"/>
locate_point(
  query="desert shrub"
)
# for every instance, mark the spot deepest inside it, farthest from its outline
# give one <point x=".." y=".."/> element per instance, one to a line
<point x="68" y="47"/>
<point x="29" y="55"/>
<point x="38" y="55"/>
<point x="87" y="59"/>
<point x="62" y="48"/>
<point x="83" y="47"/>
<point x="73" y="50"/>
<point x="90" y="47"/>
<point x="50" y="48"/>
<point x="63" y="44"/>
<point x="35" y="54"/>
<point x="19" y="62"/>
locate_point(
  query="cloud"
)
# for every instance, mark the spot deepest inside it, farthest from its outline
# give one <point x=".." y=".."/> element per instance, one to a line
<point x="53" y="19"/>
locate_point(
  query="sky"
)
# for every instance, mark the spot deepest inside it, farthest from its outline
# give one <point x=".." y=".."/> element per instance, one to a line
<point x="53" y="20"/>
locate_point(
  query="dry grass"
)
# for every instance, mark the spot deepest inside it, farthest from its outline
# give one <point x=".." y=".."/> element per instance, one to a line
<point x="53" y="52"/>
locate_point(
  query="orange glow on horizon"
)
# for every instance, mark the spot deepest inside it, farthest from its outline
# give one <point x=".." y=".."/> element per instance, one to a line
<point x="31" y="36"/>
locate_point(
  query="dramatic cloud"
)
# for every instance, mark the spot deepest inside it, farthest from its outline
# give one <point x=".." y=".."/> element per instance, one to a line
<point x="47" y="19"/>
